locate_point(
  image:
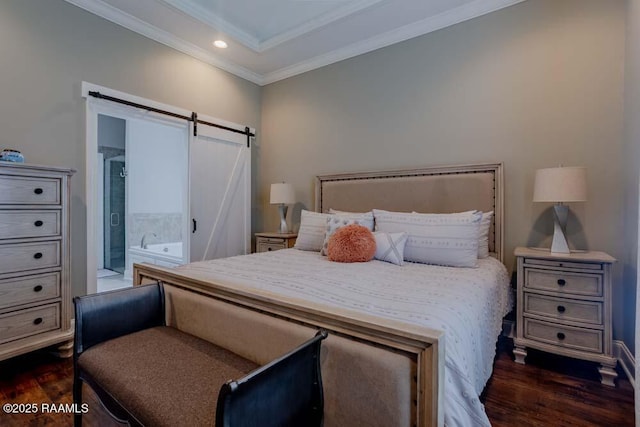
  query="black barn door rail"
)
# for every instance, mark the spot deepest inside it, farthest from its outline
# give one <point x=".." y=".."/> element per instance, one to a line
<point x="193" y="118"/>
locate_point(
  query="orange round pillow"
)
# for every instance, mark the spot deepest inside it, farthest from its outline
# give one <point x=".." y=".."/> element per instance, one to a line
<point x="351" y="243"/>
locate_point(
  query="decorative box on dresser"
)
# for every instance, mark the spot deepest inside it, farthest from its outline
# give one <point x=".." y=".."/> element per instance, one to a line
<point x="267" y="242"/>
<point x="35" y="290"/>
<point x="564" y="307"/>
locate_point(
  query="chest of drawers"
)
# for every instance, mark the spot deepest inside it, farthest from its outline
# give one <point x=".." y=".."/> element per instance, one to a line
<point x="564" y="307"/>
<point x="35" y="290"/>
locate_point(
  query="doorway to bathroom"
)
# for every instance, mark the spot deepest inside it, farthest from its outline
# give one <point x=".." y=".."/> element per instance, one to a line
<point x="142" y="182"/>
<point x="186" y="180"/>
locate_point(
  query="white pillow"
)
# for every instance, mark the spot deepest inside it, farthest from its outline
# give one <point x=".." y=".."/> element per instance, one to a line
<point x="364" y="218"/>
<point x="390" y="246"/>
<point x="483" y="235"/>
<point x="441" y="239"/>
<point x="483" y="232"/>
<point x="312" y="230"/>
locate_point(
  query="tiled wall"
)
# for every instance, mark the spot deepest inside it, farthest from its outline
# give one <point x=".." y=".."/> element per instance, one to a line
<point x="167" y="228"/>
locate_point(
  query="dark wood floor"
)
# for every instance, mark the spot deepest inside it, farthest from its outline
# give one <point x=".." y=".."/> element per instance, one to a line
<point x="548" y="391"/>
<point x="554" y="391"/>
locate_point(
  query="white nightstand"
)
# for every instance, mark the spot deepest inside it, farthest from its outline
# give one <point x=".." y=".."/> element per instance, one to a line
<point x="564" y="307"/>
<point x="267" y="242"/>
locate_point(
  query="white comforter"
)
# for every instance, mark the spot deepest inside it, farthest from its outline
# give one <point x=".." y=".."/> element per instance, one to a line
<point x="467" y="303"/>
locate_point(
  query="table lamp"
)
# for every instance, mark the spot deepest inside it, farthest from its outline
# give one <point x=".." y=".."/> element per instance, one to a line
<point x="282" y="195"/>
<point x="560" y="185"/>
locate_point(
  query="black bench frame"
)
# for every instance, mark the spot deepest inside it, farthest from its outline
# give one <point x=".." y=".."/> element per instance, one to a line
<point x="284" y="392"/>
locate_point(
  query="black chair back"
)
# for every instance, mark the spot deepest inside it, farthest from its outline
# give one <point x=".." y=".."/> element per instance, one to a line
<point x="284" y="393"/>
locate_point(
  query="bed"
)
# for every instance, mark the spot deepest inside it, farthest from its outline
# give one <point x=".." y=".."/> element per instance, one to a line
<point x="410" y="345"/>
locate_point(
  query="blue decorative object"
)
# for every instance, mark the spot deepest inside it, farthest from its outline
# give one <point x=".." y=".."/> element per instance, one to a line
<point x="9" y="155"/>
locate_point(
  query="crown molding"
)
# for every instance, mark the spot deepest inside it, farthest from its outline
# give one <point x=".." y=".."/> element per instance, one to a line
<point x="199" y="13"/>
<point x="434" y="23"/>
<point x="217" y="23"/>
<point x="117" y="16"/>
<point x="319" y="22"/>
<point x="431" y="24"/>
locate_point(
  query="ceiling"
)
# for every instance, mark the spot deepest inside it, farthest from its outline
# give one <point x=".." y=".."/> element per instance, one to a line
<point x="270" y="40"/>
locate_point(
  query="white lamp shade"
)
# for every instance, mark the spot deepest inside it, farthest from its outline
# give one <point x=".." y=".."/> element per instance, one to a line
<point x="563" y="184"/>
<point x="282" y="193"/>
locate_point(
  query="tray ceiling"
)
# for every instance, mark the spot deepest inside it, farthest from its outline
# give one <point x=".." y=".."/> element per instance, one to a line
<point x="270" y="40"/>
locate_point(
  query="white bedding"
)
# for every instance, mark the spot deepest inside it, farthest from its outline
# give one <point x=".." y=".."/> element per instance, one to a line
<point x="467" y="303"/>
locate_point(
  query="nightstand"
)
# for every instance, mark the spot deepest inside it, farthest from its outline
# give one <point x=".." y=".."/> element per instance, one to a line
<point x="564" y="307"/>
<point x="267" y="242"/>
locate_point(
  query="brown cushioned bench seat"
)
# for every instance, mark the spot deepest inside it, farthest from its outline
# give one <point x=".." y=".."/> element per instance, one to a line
<point x="163" y="376"/>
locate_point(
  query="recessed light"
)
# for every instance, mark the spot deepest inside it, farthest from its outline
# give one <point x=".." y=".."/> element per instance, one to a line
<point x="220" y="43"/>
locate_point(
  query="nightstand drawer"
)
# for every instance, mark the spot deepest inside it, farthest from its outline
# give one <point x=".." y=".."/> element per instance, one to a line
<point x="563" y="282"/>
<point x="33" y="321"/>
<point x="27" y="256"/>
<point x="564" y="336"/>
<point x="563" y="264"/>
<point x="29" y="191"/>
<point x="23" y="290"/>
<point x="564" y="309"/>
<point x="270" y="246"/>
<point x="269" y="242"/>
<point x="21" y="224"/>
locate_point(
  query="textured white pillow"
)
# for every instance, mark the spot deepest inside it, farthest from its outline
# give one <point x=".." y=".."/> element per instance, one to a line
<point x="334" y="222"/>
<point x="483" y="232"/>
<point x="441" y="239"/>
<point x="312" y="230"/>
<point x="365" y="218"/>
<point x="483" y="235"/>
<point x="390" y="246"/>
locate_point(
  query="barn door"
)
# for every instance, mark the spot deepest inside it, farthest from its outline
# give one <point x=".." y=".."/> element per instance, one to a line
<point x="220" y="194"/>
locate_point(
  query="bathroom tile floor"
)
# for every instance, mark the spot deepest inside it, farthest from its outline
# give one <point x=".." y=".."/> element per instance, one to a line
<point x="110" y="283"/>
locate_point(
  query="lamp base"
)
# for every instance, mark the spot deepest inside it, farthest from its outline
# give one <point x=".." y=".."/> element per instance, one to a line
<point x="282" y="208"/>
<point x="559" y="244"/>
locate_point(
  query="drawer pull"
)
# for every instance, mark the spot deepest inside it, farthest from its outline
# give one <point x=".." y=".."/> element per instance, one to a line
<point x="38" y="191"/>
<point x="269" y="249"/>
<point x="561" y="282"/>
<point x="561" y="309"/>
<point x="37" y="255"/>
<point x="37" y="320"/>
<point x="560" y="336"/>
<point x="37" y="288"/>
<point x="38" y="223"/>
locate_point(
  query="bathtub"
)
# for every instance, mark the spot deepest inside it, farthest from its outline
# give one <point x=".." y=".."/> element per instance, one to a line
<point x="163" y="254"/>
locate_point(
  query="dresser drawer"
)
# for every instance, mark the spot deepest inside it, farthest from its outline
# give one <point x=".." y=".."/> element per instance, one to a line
<point x="21" y="224"/>
<point x="563" y="282"/>
<point x="28" y="322"/>
<point x="270" y="246"/>
<point x="564" y="309"/>
<point x="564" y="336"/>
<point x="27" y="256"/>
<point x="29" y="289"/>
<point x="29" y="191"/>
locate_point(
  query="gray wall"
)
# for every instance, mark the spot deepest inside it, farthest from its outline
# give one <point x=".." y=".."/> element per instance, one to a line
<point x="49" y="47"/>
<point x="533" y="85"/>
<point x="631" y="162"/>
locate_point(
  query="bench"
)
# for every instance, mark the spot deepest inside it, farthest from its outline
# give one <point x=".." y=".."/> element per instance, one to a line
<point x="147" y="373"/>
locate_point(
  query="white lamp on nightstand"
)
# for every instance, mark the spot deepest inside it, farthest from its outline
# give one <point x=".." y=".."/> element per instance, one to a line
<point x="282" y="195"/>
<point x="560" y="185"/>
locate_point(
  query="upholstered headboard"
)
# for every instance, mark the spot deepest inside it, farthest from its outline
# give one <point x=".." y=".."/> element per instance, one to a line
<point x="440" y="189"/>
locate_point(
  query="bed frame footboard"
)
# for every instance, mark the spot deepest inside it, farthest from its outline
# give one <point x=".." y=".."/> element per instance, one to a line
<point x="374" y="373"/>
